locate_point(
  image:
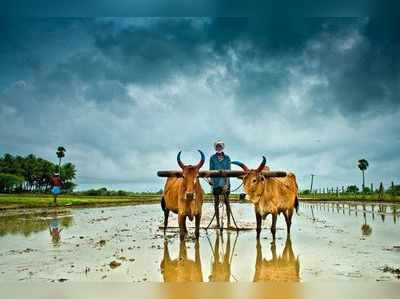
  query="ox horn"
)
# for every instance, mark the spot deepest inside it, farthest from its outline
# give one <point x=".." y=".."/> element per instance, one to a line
<point x="178" y="159"/>
<point x="241" y="165"/>
<point x="203" y="158"/>
<point x="262" y="165"/>
<point x="198" y="166"/>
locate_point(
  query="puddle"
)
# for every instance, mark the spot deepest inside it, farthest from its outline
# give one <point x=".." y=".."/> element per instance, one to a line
<point x="340" y="241"/>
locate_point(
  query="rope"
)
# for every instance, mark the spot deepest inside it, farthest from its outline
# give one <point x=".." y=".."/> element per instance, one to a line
<point x="237" y="187"/>
<point x="222" y="205"/>
<point x="286" y="186"/>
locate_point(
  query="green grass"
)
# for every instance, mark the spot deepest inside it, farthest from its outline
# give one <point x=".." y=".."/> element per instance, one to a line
<point x="46" y="200"/>
<point x="351" y="197"/>
<point x="29" y="200"/>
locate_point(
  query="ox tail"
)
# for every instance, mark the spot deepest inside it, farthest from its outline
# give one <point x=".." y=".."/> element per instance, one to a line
<point x="296" y="204"/>
<point x="163" y="203"/>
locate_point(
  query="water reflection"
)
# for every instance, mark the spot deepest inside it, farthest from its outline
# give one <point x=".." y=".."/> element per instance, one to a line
<point x="281" y="268"/>
<point x="382" y="210"/>
<point x="55" y="229"/>
<point x="33" y="222"/>
<point x="181" y="269"/>
<point x="366" y="230"/>
<point x="221" y="258"/>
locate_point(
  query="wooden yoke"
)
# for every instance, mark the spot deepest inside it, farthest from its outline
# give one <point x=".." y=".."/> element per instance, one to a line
<point x="219" y="173"/>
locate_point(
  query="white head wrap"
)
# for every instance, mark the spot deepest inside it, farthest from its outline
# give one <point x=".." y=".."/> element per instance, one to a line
<point x="219" y="142"/>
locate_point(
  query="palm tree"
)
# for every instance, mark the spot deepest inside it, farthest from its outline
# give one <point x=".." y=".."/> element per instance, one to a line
<point x="363" y="165"/>
<point x="60" y="154"/>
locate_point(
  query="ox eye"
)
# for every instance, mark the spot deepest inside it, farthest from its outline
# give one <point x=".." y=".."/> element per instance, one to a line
<point x="254" y="180"/>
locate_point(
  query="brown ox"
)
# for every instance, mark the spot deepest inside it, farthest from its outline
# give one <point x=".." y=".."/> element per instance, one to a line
<point x="184" y="196"/>
<point x="270" y="195"/>
<point x="181" y="269"/>
<point x="283" y="268"/>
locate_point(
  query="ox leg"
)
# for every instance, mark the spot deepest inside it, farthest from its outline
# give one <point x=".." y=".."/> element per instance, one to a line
<point x="288" y="219"/>
<point x="182" y="228"/>
<point x="166" y="215"/>
<point x="197" y="229"/>
<point x="216" y="209"/>
<point x="273" y="226"/>
<point x="258" y="220"/>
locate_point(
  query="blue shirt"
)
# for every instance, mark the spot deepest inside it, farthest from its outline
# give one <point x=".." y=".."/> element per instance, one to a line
<point x="216" y="164"/>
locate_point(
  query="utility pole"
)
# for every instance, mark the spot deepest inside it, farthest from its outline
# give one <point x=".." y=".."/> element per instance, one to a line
<point x="312" y="181"/>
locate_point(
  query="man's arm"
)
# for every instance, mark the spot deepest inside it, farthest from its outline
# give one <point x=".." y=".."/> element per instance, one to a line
<point x="211" y="168"/>
<point x="227" y="167"/>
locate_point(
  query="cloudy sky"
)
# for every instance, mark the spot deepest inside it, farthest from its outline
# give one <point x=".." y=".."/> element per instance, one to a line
<point x="124" y="95"/>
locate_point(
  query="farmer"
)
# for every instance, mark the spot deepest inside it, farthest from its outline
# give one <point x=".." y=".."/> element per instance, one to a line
<point x="56" y="184"/>
<point x="220" y="185"/>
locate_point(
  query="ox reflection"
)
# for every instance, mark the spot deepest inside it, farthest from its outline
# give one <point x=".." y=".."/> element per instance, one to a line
<point x="283" y="268"/>
<point x="181" y="269"/>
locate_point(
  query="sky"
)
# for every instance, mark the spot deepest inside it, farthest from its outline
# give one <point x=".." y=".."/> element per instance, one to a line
<point x="124" y="95"/>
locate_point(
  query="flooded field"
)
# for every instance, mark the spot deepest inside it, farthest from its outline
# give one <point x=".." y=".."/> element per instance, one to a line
<point x="339" y="241"/>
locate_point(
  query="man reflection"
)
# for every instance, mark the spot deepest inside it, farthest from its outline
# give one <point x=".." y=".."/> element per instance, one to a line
<point x="55" y="229"/>
<point x="284" y="268"/>
<point x="221" y="265"/>
<point x="181" y="269"/>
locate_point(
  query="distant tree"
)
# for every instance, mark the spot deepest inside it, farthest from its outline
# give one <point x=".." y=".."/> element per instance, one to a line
<point x="35" y="172"/>
<point x="395" y="189"/>
<point x="352" y="189"/>
<point x="8" y="182"/>
<point x="363" y="165"/>
<point x="367" y="190"/>
<point x="122" y="193"/>
<point x="68" y="187"/>
<point x="60" y="154"/>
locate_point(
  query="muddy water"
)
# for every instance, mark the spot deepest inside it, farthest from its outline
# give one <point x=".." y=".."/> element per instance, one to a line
<point x="328" y="241"/>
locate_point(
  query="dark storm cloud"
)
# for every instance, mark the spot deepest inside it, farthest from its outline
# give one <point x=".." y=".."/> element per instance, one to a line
<point x="311" y="94"/>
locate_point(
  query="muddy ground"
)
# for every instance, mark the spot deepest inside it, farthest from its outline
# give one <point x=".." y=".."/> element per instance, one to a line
<point x="350" y="241"/>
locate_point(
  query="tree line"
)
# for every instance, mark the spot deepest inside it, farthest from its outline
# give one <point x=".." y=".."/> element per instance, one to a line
<point x="353" y="189"/>
<point x="32" y="174"/>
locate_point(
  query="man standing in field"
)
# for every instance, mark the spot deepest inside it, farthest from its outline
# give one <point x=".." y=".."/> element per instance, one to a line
<point x="220" y="185"/>
<point x="56" y="184"/>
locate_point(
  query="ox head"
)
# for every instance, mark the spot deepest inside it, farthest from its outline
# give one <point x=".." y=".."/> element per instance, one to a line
<point x="253" y="180"/>
<point x="189" y="175"/>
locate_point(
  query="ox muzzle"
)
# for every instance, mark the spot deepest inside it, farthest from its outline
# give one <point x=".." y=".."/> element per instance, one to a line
<point x="190" y="196"/>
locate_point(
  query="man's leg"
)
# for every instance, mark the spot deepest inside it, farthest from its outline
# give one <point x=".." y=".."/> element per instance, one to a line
<point x="228" y="208"/>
